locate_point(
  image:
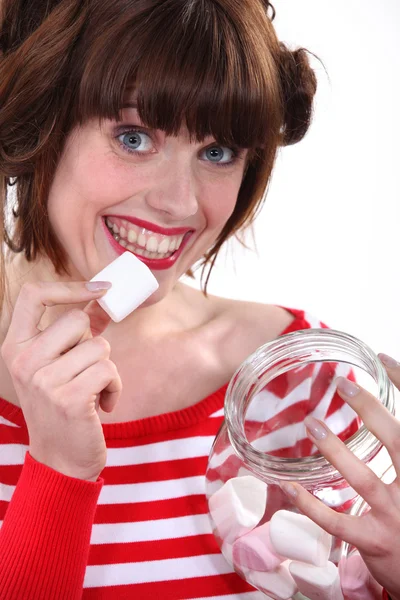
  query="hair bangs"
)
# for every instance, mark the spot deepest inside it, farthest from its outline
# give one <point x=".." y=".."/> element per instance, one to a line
<point x="189" y="65"/>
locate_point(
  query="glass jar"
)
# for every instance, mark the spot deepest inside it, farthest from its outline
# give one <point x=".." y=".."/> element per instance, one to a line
<point x="263" y="441"/>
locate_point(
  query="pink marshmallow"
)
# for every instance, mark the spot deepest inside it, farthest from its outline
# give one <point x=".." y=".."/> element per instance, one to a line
<point x="356" y="581"/>
<point x="278" y="584"/>
<point x="254" y="551"/>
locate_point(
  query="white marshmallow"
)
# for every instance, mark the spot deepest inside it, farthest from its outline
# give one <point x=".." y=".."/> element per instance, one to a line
<point x="297" y="537"/>
<point x="226" y="550"/>
<point x="317" y="583"/>
<point x="278" y="584"/>
<point x="237" y="507"/>
<point x="254" y="551"/>
<point x="132" y="283"/>
<point x="356" y="581"/>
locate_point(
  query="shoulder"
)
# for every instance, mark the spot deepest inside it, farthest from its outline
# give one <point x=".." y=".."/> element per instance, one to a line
<point x="269" y="320"/>
<point x="262" y="321"/>
<point x="240" y="326"/>
<point x="259" y="321"/>
<point x="244" y="326"/>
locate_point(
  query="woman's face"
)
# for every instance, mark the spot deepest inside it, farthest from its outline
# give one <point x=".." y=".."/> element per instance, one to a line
<point x="165" y="198"/>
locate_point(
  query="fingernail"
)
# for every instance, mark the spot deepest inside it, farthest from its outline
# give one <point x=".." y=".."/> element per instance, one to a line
<point x="389" y="361"/>
<point x="316" y="428"/>
<point x="347" y="387"/>
<point x="289" y="489"/>
<point x="98" y="286"/>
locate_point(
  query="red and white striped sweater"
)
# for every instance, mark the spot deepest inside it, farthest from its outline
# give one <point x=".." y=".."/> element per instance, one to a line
<point x="140" y="531"/>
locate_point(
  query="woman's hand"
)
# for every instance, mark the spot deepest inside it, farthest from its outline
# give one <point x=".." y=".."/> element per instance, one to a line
<point x="376" y="534"/>
<point x="61" y="375"/>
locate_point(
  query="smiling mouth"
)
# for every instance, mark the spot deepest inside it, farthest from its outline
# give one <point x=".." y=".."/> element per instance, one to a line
<point x="144" y="242"/>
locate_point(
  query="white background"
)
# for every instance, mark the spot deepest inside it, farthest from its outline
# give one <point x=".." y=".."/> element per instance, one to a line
<point x="328" y="236"/>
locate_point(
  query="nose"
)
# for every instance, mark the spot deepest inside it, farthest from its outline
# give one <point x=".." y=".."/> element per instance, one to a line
<point x="174" y="192"/>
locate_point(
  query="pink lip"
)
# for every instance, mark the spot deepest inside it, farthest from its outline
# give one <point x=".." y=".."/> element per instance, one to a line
<point x="152" y="226"/>
<point x="153" y="263"/>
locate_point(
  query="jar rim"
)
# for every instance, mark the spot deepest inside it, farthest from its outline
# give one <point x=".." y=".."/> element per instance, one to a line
<point x="307" y="346"/>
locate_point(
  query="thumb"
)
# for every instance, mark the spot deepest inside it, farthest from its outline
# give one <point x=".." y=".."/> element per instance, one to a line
<point x="99" y="319"/>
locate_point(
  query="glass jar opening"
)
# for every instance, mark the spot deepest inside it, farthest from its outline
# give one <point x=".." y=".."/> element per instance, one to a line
<point x="265" y="431"/>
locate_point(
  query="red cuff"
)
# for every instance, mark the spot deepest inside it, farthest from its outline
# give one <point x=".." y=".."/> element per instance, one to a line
<point x="45" y="537"/>
<point x="385" y="595"/>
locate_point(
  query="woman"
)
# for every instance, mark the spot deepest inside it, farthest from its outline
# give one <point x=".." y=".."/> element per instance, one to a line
<point x="151" y="124"/>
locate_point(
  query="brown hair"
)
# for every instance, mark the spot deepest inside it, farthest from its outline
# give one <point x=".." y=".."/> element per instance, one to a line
<point x="214" y="65"/>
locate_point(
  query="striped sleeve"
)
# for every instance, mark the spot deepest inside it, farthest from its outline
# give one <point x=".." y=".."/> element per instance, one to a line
<point x="45" y="536"/>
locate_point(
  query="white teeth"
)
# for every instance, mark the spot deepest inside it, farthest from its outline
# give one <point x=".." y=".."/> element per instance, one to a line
<point x="164" y="246"/>
<point x="149" y="248"/>
<point x="152" y="245"/>
<point x="142" y="251"/>
<point x="132" y="236"/>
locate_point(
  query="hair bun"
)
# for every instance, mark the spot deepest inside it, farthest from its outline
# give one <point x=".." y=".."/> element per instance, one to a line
<point x="299" y="85"/>
<point x="269" y="7"/>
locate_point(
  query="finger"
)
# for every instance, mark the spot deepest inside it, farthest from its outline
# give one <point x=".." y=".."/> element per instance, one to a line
<point x="392" y="368"/>
<point x="70" y="329"/>
<point x="345" y="527"/>
<point x="33" y="300"/>
<point x="101" y="378"/>
<point x="99" y="319"/>
<point x="361" y="478"/>
<point x="76" y="361"/>
<point x="374" y="415"/>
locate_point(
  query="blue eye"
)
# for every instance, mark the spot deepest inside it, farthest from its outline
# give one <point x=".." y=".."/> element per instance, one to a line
<point x="220" y="155"/>
<point x="136" y="141"/>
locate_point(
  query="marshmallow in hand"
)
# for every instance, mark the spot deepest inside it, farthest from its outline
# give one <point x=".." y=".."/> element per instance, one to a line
<point x="297" y="537"/>
<point x="278" y="584"/>
<point x="356" y="581"/>
<point x="238" y="506"/>
<point x="317" y="583"/>
<point x="254" y="551"/>
<point x="132" y="283"/>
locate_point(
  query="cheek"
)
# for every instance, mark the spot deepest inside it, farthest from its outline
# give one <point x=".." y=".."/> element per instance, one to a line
<point x="94" y="180"/>
<point x="102" y="180"/>
<point x="221" y="203"/>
